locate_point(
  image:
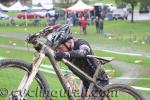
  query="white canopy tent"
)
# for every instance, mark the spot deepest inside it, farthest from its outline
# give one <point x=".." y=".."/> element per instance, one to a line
<point x="37" y="7"/>
<point x="44" y="4"/>
<point x="80" y="7"/>
<point x="2" y="7"/>
<point x="17" y="7"/>
<point x="47" y="4"/>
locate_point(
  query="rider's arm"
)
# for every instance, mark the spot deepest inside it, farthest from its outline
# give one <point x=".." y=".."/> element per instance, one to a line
<point x="81" y="52"/>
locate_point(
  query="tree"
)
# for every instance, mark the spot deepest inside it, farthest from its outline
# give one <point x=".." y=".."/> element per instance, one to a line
<point x="120" y="4"/>
<point x="133" y="3"/>
<point x="8" y="2"/>
<point x="64" y="3"/>
<point x="145" y="3"/>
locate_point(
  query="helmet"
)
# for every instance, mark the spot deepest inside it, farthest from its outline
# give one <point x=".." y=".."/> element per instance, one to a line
<point x="59" y="36"/>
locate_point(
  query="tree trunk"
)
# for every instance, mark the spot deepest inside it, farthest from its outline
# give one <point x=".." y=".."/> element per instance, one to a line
<point x="132" y="13"/>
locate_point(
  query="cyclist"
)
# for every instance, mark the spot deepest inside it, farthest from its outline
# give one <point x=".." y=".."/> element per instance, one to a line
<point x="75" y="50"/>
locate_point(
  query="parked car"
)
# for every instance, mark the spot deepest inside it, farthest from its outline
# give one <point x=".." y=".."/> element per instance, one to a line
<point x="143" y="10"/>
<point x="46" y="13"/>
<point x="30" y="15"/>
<point x="120" y="14"/>
<point x="109" y="16"/>
<point x="3" y="16"/>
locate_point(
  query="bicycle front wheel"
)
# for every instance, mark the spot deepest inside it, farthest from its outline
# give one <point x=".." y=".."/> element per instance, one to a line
<point x="12" y="72"/>
<point x="121" y="92"/>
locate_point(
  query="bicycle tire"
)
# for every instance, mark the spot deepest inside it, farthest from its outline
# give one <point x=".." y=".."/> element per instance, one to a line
<point x="124" y="88"/>
<point x="20" y="64"/>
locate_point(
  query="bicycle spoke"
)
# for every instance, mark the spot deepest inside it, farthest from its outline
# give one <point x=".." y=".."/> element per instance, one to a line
<point x="10" y="80"/>
<point x="121" y="92"/>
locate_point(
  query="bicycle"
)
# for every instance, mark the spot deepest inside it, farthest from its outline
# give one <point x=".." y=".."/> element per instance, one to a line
<point x="32" y="72"/>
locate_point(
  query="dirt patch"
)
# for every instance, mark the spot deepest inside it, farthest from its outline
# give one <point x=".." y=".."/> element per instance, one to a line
<point x="129" y="70"/>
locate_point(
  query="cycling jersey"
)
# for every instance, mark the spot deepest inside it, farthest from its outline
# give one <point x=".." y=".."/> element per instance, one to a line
<point x="79" y="49"/>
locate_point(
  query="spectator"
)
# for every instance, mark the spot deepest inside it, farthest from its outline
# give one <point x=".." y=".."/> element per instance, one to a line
<point x="56" y="18"/>
<point x="69" y="21"/>
<point x="48" y="23"/>
<point x="13" y="21"/>
<point x="92" y="20"/>
<point x="83" y="25"/>
<point x="101" y="26"/>
<point x="79" y="20"/>
<point x="74" y="18"/>
<point x="97" y="23"/>
<point x="37" y="21"/>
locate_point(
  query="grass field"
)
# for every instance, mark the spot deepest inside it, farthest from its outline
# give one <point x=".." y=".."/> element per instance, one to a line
<point x="122" y="33"/>
<point x="130" y="36"/>
<point x="54" y="84"/>
<point x="11" y="41"/>
<point x="7" y="76"/>
<point x="27" y="56"/>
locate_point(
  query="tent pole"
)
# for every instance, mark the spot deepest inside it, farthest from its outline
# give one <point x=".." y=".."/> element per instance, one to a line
<point x="94" y="13"/>
<point x="65" y="17"/>
<point x="26" y="19"/>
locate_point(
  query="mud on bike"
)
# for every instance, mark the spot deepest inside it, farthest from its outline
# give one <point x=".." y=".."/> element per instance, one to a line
<point x="30" y="74"/>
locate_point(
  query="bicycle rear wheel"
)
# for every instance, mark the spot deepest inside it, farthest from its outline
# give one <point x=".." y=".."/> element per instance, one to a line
<point x="121" y="92"/>
<point x="11" y="74"/>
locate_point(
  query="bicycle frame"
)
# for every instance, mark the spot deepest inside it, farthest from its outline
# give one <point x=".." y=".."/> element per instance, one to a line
<point x="28" y="78"/>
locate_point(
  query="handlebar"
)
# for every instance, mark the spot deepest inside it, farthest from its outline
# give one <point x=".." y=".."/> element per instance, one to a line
<point x="33" y="39"/>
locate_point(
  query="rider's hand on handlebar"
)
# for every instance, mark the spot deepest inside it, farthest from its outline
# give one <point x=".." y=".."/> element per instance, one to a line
<point x="32" y="38"/>
<point x="59" y="55"/>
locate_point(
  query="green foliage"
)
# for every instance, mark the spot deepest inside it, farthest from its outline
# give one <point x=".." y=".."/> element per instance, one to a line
<point x="124" y="2"/>
<point x="144" y="2"/>
<point x="64" y="4"/>
<point x="120" y="4"/>
<point x="132" y="2"/>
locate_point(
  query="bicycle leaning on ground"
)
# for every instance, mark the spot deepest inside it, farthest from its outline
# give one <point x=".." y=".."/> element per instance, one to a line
<point x="122" y="92"/>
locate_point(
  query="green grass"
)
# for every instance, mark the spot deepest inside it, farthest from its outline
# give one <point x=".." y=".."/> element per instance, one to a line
<point x="11" y="41"/>
<point x="122" y="31"/>
<point x="27" y="56"/>
<point x="126" y="58"/>
<point x="7" y="75"/>
<point x="10" y="81"/>
<point x="121" y="39"/>
<point x="12" y="14"/>
<point x="21" y="22"/>
<point x="131" y="59"/>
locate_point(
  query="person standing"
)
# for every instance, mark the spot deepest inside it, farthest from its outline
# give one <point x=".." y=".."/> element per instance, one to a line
<point x="79" y="20"/>
<point x="101" y="26"/>
<point x="83" y="25"/>
<point x="97" y="22"/>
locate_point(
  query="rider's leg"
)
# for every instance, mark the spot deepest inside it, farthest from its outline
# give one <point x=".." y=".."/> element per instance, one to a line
<point x="82" y="90"/>
<point x="102" y="78"/>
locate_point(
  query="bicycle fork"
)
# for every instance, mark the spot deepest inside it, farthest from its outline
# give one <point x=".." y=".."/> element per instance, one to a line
<point x="29" y="77"/>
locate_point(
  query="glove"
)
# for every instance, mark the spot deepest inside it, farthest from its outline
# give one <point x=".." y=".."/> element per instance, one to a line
<point x="59" y="55"/>
<point x="31" y="38"/>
